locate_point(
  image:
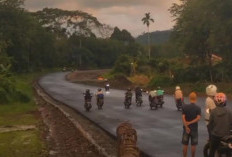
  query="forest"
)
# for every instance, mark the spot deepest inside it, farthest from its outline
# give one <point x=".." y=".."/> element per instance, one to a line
<point x="34" y="41"/>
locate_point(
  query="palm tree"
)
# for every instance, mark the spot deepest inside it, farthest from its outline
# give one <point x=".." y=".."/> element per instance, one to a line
<point x="146" y="20"/>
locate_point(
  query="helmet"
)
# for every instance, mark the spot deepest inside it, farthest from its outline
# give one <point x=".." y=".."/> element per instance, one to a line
<point x="129" y="89"/>
<point x="211" y="90"/>
<point x="99" y="89"/>
<point x="220" y="99"/>
<point x="177" y="87"/>
<point x="87" y="90"/>
<point x="158" y="87"/>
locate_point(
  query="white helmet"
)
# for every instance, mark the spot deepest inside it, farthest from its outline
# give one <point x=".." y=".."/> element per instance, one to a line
<point x="177" y="87"/>
<point x="211" y="90"/>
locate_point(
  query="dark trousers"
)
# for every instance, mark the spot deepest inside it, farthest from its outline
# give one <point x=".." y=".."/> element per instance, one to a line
<point x="209" y="133"/>
<point x="214" y="143"/>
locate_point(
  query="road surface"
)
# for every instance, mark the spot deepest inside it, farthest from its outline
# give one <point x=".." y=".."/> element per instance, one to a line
<point x="159" y="131"/>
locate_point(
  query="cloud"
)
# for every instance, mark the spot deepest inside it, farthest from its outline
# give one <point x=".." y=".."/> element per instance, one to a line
<point x="110" y="3"/>
<point x="126" y="14"/>
<point x="130" y="18"/>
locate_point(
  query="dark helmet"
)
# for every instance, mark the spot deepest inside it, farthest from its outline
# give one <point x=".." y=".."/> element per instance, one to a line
<point x="128" y="89"/>
<point x="99" y="89"/>
<point x="87" y="91"/>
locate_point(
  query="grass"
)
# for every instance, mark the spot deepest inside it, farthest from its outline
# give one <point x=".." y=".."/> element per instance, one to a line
<point x="22" y="143"/>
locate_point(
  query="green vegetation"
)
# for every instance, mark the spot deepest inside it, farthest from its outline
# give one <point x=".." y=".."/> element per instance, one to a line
<point x="17" y="113"/>
<point x="198" y="51"/>
<point x="21" y="144"/>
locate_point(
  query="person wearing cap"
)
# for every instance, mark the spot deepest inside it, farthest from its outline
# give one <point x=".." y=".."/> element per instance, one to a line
<point x="191" y="114"/>
<point x="220" y="122"/>
<point x="211" y="91"/>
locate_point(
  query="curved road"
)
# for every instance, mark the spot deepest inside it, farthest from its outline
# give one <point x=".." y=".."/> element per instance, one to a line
<point x="159" y="131"/>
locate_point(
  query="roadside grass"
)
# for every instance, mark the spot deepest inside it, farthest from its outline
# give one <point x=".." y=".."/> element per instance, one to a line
<point x="22" y="144"/>
<point x="28" y="143"/>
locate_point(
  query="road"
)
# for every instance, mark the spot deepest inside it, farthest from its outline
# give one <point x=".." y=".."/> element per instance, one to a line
<point x="159" y="131"/>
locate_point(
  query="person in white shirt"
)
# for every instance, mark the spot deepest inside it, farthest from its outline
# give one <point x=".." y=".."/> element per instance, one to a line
<point x="211" y="91"/>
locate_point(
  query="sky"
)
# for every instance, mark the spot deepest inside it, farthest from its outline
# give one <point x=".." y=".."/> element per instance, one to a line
<point x="125" y="14"/>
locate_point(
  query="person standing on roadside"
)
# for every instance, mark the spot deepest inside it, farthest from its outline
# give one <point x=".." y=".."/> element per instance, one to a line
<point x="211" y="91"/>
<point x="191" y="114"/>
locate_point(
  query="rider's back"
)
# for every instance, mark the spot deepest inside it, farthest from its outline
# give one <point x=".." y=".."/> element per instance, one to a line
<point x="220" y="121"/>
<point x="178" y="94"/>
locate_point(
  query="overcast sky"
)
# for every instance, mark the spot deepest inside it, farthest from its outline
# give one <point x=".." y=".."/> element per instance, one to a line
<point x="126" y="14"/>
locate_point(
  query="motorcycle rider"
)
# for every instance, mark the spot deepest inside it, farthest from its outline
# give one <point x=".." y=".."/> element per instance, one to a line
<point x="107" y="86"/>
<point x="138" y="93"/>
<point x="220" y="122"/>
<point x="160" y="94"/>
<point x="178" y="96"/>
<point x="211" y="90"/>
<point x="152" y="95"/>
<point x="87" y="95"/>
<point x="128" y="95"/>
<point x="99" y="94"/>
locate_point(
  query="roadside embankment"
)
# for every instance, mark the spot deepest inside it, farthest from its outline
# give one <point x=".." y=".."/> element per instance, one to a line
<point x="72" y="134"/>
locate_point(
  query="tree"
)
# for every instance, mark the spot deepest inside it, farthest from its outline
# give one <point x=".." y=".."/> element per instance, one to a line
<point x="202" y="29"/>
<point x="123" y="35"/>
<point x="146" y="20"/>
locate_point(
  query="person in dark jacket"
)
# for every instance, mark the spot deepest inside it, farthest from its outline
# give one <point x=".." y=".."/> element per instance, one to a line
<point x="220" y="122"/>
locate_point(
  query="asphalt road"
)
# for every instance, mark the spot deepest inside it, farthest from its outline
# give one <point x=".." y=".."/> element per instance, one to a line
<point x="159" y="131"/>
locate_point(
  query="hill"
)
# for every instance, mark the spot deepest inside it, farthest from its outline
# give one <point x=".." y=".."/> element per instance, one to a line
<point x="157" y="37"/>
<point x="72" y="22"/>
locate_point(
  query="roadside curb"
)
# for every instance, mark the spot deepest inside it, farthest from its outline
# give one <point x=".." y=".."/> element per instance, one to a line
<point x="57" y="104"/>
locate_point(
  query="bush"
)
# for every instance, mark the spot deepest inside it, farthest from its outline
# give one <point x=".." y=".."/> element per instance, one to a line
<point x="191" y="74"/>
<point x="21" y="97"/>
<point x="3" y="96"/>
<point x="161" y="80"/>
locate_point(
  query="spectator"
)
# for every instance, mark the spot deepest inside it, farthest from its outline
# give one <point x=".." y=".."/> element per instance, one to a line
<point x="211" y="90"/>
<point x="191" y="114"/>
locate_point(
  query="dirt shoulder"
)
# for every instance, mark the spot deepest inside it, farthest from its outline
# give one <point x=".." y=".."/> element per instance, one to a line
<point x="70" y="134"/>
<point x="90" y="77"/>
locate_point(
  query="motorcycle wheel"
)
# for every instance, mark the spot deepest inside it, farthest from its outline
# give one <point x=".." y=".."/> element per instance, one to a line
<point x="100" y="104"/>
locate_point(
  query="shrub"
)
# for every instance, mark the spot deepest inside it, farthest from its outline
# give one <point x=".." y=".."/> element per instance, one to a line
<point x="21" y="97"/>
<point x="161" y="80"/>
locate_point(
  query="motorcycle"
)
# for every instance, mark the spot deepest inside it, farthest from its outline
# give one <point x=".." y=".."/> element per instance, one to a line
<point x="107" y="87"/>
<point x="160" y="101"/>
<point x="139" y="100"/>
<point x="179" y="104"/>
<point x="127" y="102"/>
<point x="100" y="102"/>
<point x="153" y="103"/>
<point x="225" y="147"/>
<point x="88" y="104"/>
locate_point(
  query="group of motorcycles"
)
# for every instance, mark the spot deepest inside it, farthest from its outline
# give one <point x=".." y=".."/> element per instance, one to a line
<point x="154" y="101"/>
<point x="100" y="98"/>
